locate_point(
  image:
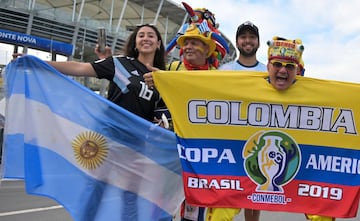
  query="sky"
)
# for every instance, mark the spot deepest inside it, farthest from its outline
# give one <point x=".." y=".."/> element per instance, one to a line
<point x="329" y="30"/>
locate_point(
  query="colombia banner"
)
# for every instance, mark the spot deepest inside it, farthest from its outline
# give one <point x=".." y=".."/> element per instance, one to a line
<point x="244" y="144"/>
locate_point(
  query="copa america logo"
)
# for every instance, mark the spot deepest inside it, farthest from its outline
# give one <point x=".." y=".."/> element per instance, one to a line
<point x="271" y="160"/>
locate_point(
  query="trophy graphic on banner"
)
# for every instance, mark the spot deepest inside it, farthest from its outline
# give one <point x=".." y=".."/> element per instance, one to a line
<point x="271" y="160"/>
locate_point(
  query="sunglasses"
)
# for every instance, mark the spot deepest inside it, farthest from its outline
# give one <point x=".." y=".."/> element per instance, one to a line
<point x="288" y="66"/>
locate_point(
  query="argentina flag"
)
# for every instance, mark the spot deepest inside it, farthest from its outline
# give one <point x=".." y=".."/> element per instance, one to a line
<point x="96" y="159"/>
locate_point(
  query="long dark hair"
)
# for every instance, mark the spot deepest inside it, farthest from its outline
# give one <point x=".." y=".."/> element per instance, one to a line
<point x="159" y="59"/>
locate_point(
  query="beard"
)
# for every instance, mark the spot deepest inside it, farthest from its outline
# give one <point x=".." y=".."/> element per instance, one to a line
<point x="247" y="53"/>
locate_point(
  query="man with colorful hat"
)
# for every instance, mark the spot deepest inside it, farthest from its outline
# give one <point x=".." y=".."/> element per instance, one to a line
<point x="197" y="45"/>
<point x="206" y="22"/>
<point x="284" y="63"/>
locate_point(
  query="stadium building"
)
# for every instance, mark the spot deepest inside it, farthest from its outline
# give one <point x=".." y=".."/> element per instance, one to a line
<point x="69" y="27"/>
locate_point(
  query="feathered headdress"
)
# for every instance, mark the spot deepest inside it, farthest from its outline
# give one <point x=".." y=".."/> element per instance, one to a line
<point x="205" y="22"/>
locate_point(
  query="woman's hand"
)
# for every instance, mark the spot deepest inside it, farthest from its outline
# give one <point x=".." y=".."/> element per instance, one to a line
<point x="101" y="55"/>
<point x="148" y="76"/>
<point x="163" y="122"/>
<point x="149" y="79"/>
<point x="16" y="55"/>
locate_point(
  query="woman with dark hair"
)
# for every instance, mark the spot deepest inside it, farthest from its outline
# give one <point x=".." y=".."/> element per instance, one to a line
<point x="131" y="49"/>
<point x="125" y="72"/>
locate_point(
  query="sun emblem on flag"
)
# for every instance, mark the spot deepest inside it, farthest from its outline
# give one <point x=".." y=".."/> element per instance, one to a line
<point x="90" y="149"/>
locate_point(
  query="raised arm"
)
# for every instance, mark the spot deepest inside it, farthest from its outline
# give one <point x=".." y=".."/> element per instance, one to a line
<point x="74" y="68"/>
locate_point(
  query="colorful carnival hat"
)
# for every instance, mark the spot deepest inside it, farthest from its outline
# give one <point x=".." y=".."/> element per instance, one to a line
<point x="205" y="20"/>
<point x="203" y="14"/>
<point x="281" y="48"/>
<point x="193" y="31"/>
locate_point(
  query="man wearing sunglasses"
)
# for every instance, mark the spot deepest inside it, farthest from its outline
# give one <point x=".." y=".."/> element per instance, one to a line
<point x="284" y="57"/>
<point x="285" y="62"/>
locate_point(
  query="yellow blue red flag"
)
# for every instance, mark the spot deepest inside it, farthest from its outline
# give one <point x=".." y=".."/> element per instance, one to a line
<point x="244" y="144"/>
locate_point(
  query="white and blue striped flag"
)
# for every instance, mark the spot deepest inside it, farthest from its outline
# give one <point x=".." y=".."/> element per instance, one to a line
<point x="98" y="160"/>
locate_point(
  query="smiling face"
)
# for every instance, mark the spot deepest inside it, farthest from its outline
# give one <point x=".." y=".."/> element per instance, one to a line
<point x="195" y="51"/>
<point x="147" y="41"/>
<point x="247" y="43"/>
<point x="282" y="73"/>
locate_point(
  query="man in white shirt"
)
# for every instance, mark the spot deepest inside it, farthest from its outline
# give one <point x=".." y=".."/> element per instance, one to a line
<point x="247" y="42"/>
